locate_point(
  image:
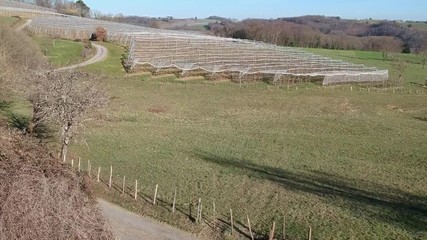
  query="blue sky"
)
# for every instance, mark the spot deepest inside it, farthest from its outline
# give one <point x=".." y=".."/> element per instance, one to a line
<point x="241" y="9"/>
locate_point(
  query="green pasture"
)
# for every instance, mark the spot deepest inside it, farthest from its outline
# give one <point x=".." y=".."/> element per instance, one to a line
<point x="8" y="21"/>
<point x="351" y="165"/>
<point x="414" y="75"/>
<point x="61" y="52"/>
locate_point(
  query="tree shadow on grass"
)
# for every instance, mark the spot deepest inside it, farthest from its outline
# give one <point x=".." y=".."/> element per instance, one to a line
<point x="365" y="199"/>
<point x="22" y="122"/>
<point x="424" y="119"/>
<point x="5" y="106"/>
<point x="15" y="120"/>
<point x="18" y="121"/>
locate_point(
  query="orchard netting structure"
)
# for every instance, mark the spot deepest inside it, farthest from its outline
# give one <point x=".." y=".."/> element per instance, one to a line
<point x="241" y="60"/>
<point x="14" y="8"/>
<point x="187" y="54"/>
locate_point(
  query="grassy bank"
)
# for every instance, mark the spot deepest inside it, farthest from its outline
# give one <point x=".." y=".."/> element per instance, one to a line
<point x="62" y="52"/>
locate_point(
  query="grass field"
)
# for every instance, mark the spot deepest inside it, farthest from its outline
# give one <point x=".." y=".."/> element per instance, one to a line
<point x="420" y="26"/>
<point x="352" y="165"/>
<point x="414" y="75"/>
<point x="61" y="52"/>
<point x="8" y="21"/>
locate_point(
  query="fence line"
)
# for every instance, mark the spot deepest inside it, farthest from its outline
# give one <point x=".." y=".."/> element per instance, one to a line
<point x="199" y="216"/>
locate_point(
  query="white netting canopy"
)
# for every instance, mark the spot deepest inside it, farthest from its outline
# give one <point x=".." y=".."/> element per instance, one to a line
<point x="185" y="52"/>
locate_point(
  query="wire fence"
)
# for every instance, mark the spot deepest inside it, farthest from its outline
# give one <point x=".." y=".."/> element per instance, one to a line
<point x="197" y="210"/>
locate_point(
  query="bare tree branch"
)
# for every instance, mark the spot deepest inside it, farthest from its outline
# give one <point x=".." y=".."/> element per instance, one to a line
<point x="64" y="98"/>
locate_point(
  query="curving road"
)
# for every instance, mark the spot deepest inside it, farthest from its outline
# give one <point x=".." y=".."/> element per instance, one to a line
<point x="21" y="27"/>
<point x="130" y="226"/>
<point x="101" y="55"/>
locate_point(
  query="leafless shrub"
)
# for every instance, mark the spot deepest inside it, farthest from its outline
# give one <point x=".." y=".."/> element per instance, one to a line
<point x="64" y="98"/>
<point x="20" y="58"/>
<point x="99" y="35"/>
<point x="400" y="66"/>
<point x="42" y="199"/>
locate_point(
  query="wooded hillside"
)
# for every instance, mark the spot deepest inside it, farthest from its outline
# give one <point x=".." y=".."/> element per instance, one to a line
<point x="327" y="32"/>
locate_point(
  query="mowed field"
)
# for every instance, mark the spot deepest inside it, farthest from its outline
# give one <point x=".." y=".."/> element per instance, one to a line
<point x="352" y="165"/>
<point x="8" y="21"/>
<point x="61" y="52"/>
<point x="414" y="74"/>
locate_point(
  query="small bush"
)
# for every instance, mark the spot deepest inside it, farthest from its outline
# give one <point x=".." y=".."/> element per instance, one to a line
<point x="100" y="35"/>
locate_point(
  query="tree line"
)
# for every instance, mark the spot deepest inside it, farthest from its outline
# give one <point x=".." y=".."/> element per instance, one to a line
<point x="69" y="7"/>
<point x="325" y="32"/>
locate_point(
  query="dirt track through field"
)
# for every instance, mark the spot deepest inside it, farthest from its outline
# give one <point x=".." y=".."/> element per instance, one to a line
<point x="101" y="55"/>
<point x="129" y="226"/>
<point x="27" y="22"/>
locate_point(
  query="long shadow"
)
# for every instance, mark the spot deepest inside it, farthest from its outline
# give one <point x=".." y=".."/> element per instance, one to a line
<point x="5" y="106"/>
<point x="22" y="122"/>
<point x="15" y="120"/>
<point x="424" y="119"/>
<point x="385" y="204"/>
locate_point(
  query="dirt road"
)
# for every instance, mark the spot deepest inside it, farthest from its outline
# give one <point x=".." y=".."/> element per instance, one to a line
<point x="101" y="55"/>
<point x="21" y="27"/>
<point x="129" y="226"/>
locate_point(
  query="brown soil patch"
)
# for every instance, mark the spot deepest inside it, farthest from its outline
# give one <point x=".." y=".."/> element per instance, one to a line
<point x="158" y="109"/>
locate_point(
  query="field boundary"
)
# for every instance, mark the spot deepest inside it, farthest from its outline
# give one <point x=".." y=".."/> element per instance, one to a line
<point x="131" y="189"/>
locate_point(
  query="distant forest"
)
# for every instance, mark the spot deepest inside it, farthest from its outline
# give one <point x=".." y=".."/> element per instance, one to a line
<point x="327" y="32"/>
<point x="305" y="31"/>
<point x="310" y="31"/>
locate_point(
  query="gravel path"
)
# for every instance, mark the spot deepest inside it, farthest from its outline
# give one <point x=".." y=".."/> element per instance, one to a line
<point x="27" y="22"/>
<point x="129" y="226"/>
<point x="101" y="55"/>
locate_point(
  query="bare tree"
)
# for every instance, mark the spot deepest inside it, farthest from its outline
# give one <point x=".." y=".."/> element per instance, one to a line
<point x="400" y="66"/>
<point x="44" y="3"/>
<point x="64" y="98"/>
<point x="84" y="10"/>
<point x="20" y="58"/>
<point x="423" y="56"/>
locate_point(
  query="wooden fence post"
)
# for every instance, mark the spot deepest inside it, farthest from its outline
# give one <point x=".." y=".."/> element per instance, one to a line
<point x="272" y="231"/>
<point x="309" y="233"/>
<point x="174" y="202"/>
<point x="197" y="211"/>
<point x="284" y="228"/>
<point x="214" y="209"/>
<point x="111" y="177"/>
<point x="231" y="221"/>
<point x="250" y="229"/>
<point x="89" y="168"/>
<point x="98" y="175"/>
<point x="72" y="164"/>
<point x="155" y="194"/>
<point x="201" y="209"/>
<point x="79" y="165"/>
<point x="136" y="189"/>
<point x="123" y="186"/>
